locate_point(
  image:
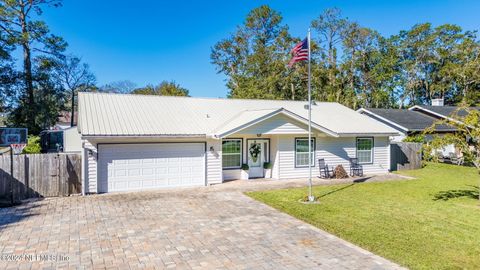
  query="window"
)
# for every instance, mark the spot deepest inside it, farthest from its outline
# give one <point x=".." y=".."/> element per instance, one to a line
<point x="365" y="150"/>
<point x="232" y="153"/>
<point x="301" y="152"/>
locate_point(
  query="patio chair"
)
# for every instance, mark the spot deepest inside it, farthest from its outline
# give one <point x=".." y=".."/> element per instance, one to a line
<point x="454" y="159"/>
<point x="355" y="168"/>
<point x="440" y="156"/>
<point x="324" y="170"/>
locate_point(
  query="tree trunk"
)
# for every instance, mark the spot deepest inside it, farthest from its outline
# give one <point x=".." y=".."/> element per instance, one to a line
<point x="293" y="91"/>
<point x="72" y="116"/>
<point x="27" y="69"/>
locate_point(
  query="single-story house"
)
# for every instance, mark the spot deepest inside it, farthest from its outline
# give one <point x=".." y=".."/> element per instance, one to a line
<point x="137" y="142"/>
<point x="406" y="122"/>
<point x="416" y="119"/>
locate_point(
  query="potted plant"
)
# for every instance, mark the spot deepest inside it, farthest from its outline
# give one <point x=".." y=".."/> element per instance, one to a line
<point x="267" y="169"/>
<point x="244" y="172"/>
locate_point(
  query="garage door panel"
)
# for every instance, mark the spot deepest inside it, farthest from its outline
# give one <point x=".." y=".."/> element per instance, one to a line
<point x="146" y="166"/>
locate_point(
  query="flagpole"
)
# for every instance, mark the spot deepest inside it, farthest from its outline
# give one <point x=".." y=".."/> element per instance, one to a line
<point x="311" y="198"/>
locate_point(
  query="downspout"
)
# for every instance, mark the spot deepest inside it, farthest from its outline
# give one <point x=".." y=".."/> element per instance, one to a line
<point x="84" y="168"/>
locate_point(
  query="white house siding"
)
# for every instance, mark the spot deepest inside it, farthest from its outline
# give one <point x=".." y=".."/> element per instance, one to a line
<point x="286" y="159"/>
<point x="214" y="161"/>
<point x="279" y="124"/>
<point x="335" y="151"/>
<point x="381" y="156"/>
<point x="91" y="164"/>
<point x="274" y="157"/>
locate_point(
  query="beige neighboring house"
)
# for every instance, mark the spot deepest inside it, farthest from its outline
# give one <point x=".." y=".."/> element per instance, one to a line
<point x="137" y="142"/>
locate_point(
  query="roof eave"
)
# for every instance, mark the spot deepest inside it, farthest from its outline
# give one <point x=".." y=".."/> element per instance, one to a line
<point x="372" y="134"/>
<point x="162" y="136"/>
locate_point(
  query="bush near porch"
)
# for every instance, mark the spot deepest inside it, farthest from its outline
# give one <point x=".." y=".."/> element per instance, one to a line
<point x="432" y="222"/>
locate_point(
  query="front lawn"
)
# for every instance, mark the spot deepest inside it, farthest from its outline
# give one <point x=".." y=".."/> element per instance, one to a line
<point x="429" y="223"/>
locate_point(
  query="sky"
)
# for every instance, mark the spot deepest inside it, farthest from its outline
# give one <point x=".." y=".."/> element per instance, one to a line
<point x="148" y="41"/>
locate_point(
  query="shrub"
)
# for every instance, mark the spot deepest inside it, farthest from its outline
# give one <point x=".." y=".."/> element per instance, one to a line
<point x="33" y="145"/>
<point x="415" y="139"/>
<point x="245" y="167"/>
<point x="267" y="165"/>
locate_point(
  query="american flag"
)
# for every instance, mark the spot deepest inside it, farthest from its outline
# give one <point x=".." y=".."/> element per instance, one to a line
<point x="299" y="52"/>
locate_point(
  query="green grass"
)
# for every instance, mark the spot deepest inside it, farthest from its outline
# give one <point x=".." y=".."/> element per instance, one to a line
<point x="432" y="222"/>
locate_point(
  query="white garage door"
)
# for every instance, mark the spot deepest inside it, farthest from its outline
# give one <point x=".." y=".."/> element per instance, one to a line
<point x="124" y="167"/>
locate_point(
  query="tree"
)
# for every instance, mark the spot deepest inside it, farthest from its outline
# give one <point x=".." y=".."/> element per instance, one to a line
<point x="49" y="97"/>
<point x="119" y="87"/>
<point x="254" y="58"/>
<point x="33" y="36"/>
<point x="466" y="138"/>
<point x="75" y="76"/>
<point x="165" y="88"/>
<point x="330" y="27"/>
<point x="368" y="67"/>
<point x="8" y="75"/>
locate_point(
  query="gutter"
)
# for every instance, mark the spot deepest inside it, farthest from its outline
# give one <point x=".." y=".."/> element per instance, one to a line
<point x="160" y="136"/>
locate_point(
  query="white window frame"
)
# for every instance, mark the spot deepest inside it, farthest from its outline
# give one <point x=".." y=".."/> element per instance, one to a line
<point x="233" y="154"/>
<point x="313" y="153"/>
<point x="365" y="151"/>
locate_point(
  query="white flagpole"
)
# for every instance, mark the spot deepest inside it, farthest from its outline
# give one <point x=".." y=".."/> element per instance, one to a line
<point x="310" y="195"/>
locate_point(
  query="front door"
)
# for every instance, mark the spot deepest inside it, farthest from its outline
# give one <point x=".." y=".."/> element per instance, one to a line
<point x="257" y="153"/>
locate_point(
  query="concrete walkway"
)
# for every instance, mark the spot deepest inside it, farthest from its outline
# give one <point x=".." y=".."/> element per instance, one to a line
<point x="199" y="228"/>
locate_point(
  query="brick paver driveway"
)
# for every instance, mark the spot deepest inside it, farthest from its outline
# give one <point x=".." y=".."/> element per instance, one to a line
<point x="203" y="228"/>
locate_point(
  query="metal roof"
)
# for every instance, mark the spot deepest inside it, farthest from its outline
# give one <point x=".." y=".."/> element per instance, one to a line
<point x="105" y="114"/>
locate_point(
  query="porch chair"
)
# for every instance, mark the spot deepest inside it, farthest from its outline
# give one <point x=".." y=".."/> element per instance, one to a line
<point x="324" y="170"/>
<point x="355" y="168"/>
<point x="454" y="159"/>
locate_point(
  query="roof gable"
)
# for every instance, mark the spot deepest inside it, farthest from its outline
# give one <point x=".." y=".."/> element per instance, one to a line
<point x="271" y="121"/>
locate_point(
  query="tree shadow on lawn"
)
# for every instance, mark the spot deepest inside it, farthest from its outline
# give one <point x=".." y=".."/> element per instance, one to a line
<point x="457" y="193"/>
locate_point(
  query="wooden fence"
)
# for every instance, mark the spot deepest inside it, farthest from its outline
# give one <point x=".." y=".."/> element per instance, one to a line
<point x="405" y="156"/>
<point x="40" y="175"/>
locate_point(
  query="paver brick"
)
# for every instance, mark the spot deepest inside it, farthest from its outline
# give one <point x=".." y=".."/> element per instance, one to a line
<point x="202" y="228"/>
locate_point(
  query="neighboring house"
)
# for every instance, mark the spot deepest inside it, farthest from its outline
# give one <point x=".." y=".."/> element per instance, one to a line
<point x="413" y="121"/>
<point x="136" y="142"/>
<point x="440" y="112"/>
<point x="406" y="122"/>
<point x="64" y="120"/>
<point x="62" y="137"/>
<point x="64" y="140"/>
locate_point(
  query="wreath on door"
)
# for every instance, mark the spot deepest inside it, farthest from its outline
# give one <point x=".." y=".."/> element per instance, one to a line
<point x="254" y="151"/>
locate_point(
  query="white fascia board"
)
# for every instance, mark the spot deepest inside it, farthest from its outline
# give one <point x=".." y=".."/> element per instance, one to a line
<point x="370" y="134"/>
<point x="86" y="137"/>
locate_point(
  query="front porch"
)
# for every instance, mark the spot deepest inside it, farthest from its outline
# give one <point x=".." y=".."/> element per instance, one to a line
<point x="277" y="147"/>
